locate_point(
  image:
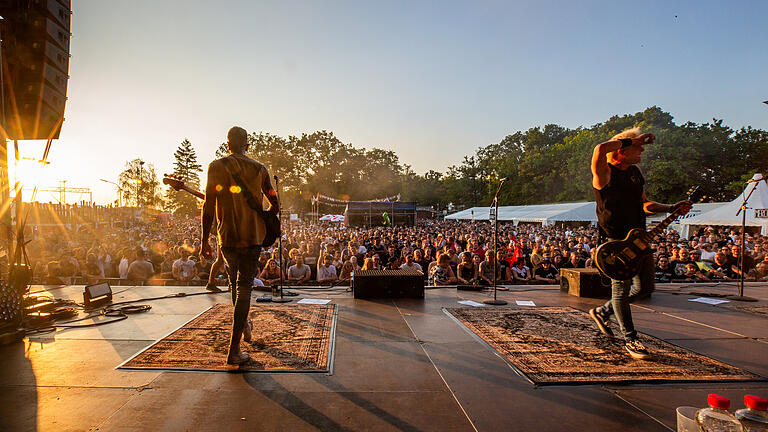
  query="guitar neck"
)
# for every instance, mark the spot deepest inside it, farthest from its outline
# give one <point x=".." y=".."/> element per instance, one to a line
<point x="194" y="192"/>
<point x="663" y="224"/>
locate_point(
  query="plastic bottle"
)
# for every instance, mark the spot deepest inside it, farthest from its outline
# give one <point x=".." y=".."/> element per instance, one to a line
<point x="716" y="418"/>
<point x="754" y="418"/>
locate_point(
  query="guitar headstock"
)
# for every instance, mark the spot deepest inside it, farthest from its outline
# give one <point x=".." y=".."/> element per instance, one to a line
<point x="173" y="182"/>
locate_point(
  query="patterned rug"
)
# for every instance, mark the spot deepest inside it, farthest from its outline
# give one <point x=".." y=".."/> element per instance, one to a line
<point x="295" y="338"/>
<point x="562" y="345"/>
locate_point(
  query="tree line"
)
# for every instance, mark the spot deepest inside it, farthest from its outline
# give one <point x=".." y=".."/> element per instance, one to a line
<point x="543" y="165"/>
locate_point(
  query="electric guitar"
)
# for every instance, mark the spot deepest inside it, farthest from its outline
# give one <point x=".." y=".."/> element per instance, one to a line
<point x="620" y="259"/>
<point x="271" y="221"/>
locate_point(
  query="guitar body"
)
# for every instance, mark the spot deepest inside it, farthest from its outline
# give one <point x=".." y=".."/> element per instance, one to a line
<point x="620" y="259"/>
<point x="272" y="223"/>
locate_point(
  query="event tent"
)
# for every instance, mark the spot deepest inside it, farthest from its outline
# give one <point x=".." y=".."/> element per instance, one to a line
<point x="725" y="215"/>
<point x="545" y="214"/>
<point x="332" y="218"/>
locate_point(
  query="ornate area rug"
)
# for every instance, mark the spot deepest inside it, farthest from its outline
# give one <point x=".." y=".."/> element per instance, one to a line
<point x="295" y="338"/>
<point x="556" y="345"/>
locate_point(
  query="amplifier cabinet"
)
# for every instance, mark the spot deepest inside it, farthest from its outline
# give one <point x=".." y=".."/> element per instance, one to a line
<point x="584" y="282"/>
<point x="388" y="284"/>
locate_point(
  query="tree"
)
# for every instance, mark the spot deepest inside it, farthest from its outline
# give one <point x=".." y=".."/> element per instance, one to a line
<point x="139" y="184"/>
<point x="186" y="169"/>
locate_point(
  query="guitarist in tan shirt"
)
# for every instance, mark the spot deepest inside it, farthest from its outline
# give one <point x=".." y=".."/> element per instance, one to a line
<point x="240" y="227"/>
<point x="621" y="206"/>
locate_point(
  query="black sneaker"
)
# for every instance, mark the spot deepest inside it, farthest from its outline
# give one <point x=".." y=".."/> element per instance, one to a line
<point x="637" y="350"/>
<point x="601" y="321"/>
<point x="213" y="288"/>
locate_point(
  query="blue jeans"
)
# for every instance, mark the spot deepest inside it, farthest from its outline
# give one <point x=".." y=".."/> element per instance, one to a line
<point x="241" y="269"/>
<point x="625" y="292"/>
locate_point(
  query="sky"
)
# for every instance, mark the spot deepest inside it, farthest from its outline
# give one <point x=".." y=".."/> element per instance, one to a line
<point x="431" y="80"/>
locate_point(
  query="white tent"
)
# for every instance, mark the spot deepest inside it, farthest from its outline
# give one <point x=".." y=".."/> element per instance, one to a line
<point x="725" y="215"/>
<point x="332" y="218"/>
<point x="545" y="214"/>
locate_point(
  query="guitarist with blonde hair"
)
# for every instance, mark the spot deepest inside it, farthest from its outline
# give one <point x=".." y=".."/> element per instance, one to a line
<point x="621" y="206"/>
<point x="233" y="184"/>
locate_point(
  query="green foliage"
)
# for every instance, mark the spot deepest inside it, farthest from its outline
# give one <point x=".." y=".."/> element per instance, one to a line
<point x="543" y="164"/>
<point x="139" y="184"/>
<point x="185" y="168"/>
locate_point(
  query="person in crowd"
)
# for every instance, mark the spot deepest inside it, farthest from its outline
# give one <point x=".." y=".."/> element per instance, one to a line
<point x="466" y="271"/>
<point x="184" y="269"/>
<point x="376" y="262"/>
<point x="521" y="272"/>
<point x="326" y="272"/>
<point x="504" y="268"/>
<point x="663" y="272"/>
<point x="125" y="261"/>
<point x="760" y="272"/>
<point x="485" y="272"/>
<point x="547" y="273"/>
<point x="574" y="261"/>
<point x="410" y="263"/>
<point x="735" y="261"/>
<point x="300" y="272"/>
<point x="682" y="261"/>
<point x="140" y="269"/>
<point x="270" y="275"/>
<point x="707" y="254"/>
<point x="368" y="264"/>
<point x="442" y="273"/>
<point x="346" y="272"/>
<point x="722" y="270"/>
<point x="93" y="271"/>
<point x="692" y="274"/>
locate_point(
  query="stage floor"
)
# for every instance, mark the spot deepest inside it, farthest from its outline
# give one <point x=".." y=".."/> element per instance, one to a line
<point x="398" y="365"/>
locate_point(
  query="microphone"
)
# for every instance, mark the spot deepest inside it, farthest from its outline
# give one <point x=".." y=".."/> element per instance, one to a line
<point x="755" y="180"/>
<point x="275" y="177"/>
<point x="504" y="179"/>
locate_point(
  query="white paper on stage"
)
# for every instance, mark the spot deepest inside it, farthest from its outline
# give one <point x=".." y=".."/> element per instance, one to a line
<point x="313" y="301"/>
<point x="470" y="303"/>
<point x="525" y="303"/>
<point x="708" y="300"/>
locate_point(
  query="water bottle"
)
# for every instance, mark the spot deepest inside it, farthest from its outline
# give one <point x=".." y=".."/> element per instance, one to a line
<point x="754" y="418"/>
<point x="716" y="418"/>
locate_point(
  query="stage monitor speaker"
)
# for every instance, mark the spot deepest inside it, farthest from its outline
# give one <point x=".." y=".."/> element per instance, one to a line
<point x="584" y="282"/>
<point x="96" y="295"/>
<point x="388" y="284"/>
<point x="35" y="57"/>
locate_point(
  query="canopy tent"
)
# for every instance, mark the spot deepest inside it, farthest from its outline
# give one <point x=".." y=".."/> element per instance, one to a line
<point x="545" y="214"/>
<point x="725" y="215"/>
<point x="332" y="218"/>
<point x="697" y="209"/>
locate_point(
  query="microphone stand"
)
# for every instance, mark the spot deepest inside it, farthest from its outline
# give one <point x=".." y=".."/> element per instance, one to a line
<point x="281" y="299"/>
<point x="743" y="210"/>
<point x="495" y="204"/>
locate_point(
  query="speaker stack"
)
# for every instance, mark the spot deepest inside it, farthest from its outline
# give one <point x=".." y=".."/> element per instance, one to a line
<point x="35" y="64"/>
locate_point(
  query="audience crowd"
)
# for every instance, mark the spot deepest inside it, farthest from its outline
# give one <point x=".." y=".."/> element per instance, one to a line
<point x="446" y="252"/>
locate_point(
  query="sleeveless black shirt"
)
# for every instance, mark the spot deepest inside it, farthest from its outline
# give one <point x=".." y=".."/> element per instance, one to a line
<point x="620" y="202"/>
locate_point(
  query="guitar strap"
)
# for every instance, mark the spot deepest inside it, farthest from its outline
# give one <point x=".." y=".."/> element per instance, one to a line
<point x="249" y="198"/>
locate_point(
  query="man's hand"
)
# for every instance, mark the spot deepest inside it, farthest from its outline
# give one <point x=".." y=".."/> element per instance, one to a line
<point x="684" y="206"/>
<point x="206" y="250"/>
<point x="644" y="139"/>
